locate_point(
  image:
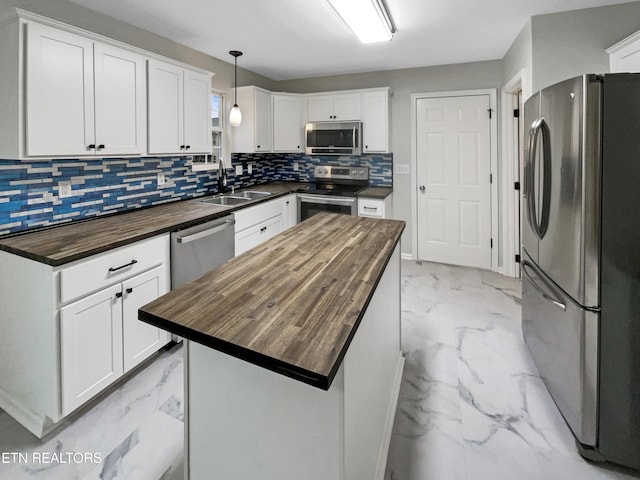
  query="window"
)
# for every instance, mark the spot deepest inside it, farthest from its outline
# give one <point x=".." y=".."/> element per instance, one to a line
<point x="210" y="162"/>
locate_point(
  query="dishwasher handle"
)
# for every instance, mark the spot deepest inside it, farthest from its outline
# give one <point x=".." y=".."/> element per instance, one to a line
<point x="205" y="233"/>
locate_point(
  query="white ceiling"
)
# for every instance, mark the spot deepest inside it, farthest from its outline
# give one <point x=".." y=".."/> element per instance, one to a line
<point x="289" y="39"/>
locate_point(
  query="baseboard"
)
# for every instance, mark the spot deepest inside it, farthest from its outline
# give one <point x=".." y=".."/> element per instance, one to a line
<point x="381" y="464"/>
<point x="406" y="256"/>
<point x="29" y="419"/>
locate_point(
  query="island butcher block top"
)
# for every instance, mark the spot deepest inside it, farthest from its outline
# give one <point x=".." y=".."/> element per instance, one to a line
<point x="293" y="303"/>
<point x="66" y="243"/>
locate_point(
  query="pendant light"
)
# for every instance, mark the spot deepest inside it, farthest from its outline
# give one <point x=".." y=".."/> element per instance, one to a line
<point x="235" y="115"/>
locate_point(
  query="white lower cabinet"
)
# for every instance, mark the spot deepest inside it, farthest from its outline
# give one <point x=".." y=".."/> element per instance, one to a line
<point x="255" y="235"/>
<point x="101" y="337"/>
<point x="261" y="222"/>
<point x="374" y="207"/>
<point x="90" y="346"/>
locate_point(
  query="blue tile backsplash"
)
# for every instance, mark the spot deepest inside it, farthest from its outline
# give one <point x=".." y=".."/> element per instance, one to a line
<point x="29" y="189"/>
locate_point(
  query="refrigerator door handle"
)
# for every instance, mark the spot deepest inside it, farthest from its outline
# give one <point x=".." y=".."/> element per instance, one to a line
<point x="540" y="127"/>
<point x="545" y="295"/>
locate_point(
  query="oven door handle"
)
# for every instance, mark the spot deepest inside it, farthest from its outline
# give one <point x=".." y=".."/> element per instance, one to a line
<point x="322" y="200"/>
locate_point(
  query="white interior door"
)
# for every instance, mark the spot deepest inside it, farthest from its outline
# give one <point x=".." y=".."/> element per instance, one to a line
<point x="453" y="170"/>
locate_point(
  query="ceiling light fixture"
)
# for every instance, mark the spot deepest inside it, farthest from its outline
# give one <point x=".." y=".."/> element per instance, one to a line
<point x="235" y="115"/>
<point x="368" y="19"/>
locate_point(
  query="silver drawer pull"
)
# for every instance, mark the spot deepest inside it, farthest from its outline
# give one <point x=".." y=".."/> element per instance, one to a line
<point x="115" y="269"/>
<point x="371" y="208"/>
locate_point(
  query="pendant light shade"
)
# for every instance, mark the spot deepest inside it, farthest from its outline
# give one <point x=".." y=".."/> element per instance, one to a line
<point x="235" y="115"/>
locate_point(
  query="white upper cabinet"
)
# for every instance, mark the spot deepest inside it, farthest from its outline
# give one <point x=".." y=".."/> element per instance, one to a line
<point x="179" y="116"/>
<point x="82" y="97"/>
<point x="120" y="101"/>
<point x="255" y="132"/>
<point x="375" y="121"/>
<point x="288" y="122"/>
<point x="333" y="107"/>
<point x="624" y="56"/>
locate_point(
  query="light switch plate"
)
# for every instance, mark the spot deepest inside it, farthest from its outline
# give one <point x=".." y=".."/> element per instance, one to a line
<point x="295" y="166"/>
<point x="238" y="169"/>
<point x="402" y="169"/>
<point x="161" y="178"/>
<point x="250" y="168"/>
<point x="64" y="189"/>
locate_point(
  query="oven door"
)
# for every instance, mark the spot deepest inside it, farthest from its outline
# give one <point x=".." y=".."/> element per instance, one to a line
<point x="309" y="205"/>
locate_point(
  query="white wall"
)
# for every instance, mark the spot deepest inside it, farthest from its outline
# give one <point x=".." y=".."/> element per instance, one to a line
<point x="403" y="83"/>
<point x="519" y="57"/>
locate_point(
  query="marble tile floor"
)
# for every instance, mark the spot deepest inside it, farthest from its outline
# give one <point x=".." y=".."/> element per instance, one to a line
<point x="471" y="406"/>
<point x="137" y="430"/>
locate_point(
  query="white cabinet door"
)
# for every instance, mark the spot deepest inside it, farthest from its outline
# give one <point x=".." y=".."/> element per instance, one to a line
<point x="197" y="117"/>
<point x="166" y="110"/>
<point x="254" y="236"/>
<point x="90" y="346"/>
<point x="120" y="101"/>
<point x="289" y="211"/>
<point x="288" y="123"/>
<point x="59" y="93"/>
<point x="346" y="106"/>
<point x="263" y="119"/>
<point x="320" y="108"/>
<point x="141" y="340"/>
<point x="375" y="121"/>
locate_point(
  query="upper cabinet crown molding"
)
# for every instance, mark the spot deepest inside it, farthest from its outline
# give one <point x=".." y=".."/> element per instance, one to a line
<point x="624" y="56"/>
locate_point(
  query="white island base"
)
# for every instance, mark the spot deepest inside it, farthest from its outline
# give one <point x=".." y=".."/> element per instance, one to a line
<point x="244" y="422"/>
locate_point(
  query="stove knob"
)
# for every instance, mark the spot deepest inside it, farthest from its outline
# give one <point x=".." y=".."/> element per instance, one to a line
<point x="326" y="170"/>
<point x="361" y="172"/>
<point x="354" y="172"/>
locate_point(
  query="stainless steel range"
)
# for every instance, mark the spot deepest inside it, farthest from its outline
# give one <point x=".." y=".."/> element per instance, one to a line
<point x="335" y="190"/>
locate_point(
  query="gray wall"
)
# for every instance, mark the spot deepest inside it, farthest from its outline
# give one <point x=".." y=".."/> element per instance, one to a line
<point x="518" y="57"/>
<point x="572" y="43"/>
<point x="81" y="17"/>
<point x="403" y="83"/>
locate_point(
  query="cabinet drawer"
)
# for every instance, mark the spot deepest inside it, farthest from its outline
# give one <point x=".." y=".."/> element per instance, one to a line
<point x="254" y="236"/>
<point x="247" y="217"/>
<point x="368" y="207"/>
<point x="101" y="270"/>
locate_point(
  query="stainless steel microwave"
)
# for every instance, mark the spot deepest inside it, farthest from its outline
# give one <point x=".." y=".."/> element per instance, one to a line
<point x="333" y="138"/>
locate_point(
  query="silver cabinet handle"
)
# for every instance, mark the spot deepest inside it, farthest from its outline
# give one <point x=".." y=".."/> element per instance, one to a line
<point x="205" y="233"/>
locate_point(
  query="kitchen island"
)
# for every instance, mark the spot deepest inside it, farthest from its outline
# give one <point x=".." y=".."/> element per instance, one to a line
<point x="292" y="354"/>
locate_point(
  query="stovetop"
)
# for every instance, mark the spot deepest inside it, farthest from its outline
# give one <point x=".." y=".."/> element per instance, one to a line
<point x="339" y="181"/>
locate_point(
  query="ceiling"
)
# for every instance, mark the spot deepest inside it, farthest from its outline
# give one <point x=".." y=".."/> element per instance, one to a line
<point x="290" y="39"/>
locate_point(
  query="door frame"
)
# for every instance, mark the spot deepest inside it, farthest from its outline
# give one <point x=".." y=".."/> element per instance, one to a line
<point x="511" y="168"/>
<point x="493" y="145"/>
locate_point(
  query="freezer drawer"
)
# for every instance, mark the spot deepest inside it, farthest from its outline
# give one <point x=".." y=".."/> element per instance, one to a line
<point x="563" y="340"/>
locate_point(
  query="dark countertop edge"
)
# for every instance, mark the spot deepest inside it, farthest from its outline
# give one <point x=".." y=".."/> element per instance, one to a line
<point x="364" y="194"/>
<point x="322" y="382"/>
<point x="314" y="379"/>
<point x="72" y="258"/>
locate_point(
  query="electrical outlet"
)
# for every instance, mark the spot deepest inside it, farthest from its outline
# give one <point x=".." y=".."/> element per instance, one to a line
<point x="402" y="169"/>
<point x="295" y="166"/>
<point x="238" y="169"/>
<point x="161" y="178"/>
<point x="250" y="168"/>
<point x="64" y="189"/>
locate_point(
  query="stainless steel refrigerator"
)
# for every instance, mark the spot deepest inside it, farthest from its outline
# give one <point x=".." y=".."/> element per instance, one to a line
<point x="581" y="257"/>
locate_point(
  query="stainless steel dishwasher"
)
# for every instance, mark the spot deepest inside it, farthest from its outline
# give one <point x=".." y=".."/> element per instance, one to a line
<point x="199" y="249"/>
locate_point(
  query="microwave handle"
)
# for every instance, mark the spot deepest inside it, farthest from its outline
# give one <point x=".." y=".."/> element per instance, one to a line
<point x="355" y="138"/>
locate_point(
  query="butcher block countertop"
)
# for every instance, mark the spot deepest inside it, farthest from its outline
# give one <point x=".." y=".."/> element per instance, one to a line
<point x="66" y="243"/>
<point x="291" y="304"/>
<point x="376" y="192"/>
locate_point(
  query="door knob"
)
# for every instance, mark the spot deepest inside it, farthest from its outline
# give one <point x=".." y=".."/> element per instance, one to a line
<point x="422" y="188"/>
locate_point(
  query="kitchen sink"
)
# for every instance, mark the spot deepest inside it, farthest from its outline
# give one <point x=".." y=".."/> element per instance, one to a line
<point x="225" y="200"/>
<point x="252" y="194"/>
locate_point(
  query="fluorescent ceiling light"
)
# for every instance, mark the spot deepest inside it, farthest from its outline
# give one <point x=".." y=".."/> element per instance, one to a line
<point x="368" y="19"/>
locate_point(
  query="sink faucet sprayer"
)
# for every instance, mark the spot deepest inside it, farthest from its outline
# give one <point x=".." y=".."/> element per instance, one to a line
<point x="222" y="177"/>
